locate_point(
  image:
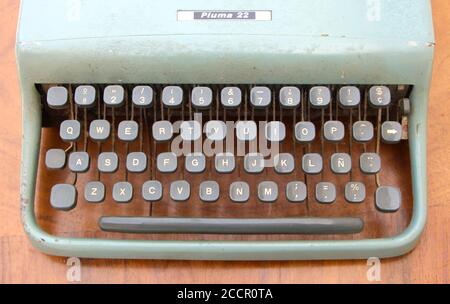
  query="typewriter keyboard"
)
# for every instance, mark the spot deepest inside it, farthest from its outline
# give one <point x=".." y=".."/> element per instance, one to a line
<point x="225" y="159"/>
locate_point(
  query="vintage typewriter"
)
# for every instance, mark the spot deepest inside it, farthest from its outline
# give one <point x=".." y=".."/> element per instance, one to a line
<point x="235" y="130"/>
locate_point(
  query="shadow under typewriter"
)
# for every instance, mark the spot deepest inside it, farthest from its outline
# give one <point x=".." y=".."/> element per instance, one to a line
<point x="92" y="178"/>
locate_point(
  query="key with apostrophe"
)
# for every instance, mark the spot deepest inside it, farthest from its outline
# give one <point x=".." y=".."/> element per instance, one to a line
<point x="172" y="96"/>
<point x="201" y="97"/>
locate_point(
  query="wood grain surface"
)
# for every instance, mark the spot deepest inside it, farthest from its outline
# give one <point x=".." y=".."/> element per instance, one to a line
<point x="20" y="262"/>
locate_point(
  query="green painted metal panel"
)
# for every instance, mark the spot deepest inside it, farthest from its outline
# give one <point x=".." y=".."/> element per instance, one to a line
<point x="313" y="41"/>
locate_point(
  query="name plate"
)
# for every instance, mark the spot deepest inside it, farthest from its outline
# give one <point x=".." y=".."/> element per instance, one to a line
<point x="184" y="15"/>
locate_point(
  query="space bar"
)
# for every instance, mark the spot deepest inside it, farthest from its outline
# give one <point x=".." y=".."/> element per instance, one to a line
<point x="302" y="225"/>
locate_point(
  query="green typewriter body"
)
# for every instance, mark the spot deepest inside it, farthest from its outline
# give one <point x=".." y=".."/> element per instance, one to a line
<point x="224" y="130"/>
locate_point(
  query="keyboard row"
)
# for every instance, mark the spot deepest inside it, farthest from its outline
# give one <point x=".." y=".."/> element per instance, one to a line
<point x="275" y="131"/>
<point x="64" y="196"/>
<point x="201" y="97"/>
<point x="253" y="163"/>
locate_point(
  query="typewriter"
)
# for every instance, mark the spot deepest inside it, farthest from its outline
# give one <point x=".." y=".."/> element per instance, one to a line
<point x="224" y="130"/>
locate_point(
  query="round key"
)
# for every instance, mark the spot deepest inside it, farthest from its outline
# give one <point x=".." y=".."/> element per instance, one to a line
<point x="201" y="97"/>
<point x="216" y="130"/>
<point x="349" y="97"/>
<point x="57" y="97"/>
<point x="191" y="130"/>
<point x="284" y="163"/>
<point x="319" y="97"/>
<point x="334" y="131"/>
<point x="122" y="192"/>
<point x="267" y="192"/>
<point x="166" y="162"/>
<point x="275" y="131"/>
<point x="325" y="193"/>
<point x="231" y="97"/>
<point x="180" y="191"/>
<point x="113" y="96"/>
<point x="355" y="192"/>
<point x="79" y="162"/>
<point x="370" y="163"/>
<point x="290" y="97"/>
<point x="94" y="192"/>
<point x="152" y="191"/>
<point x="172" y="96"/>
<point x="85" y="96"/>
<point x="296" y="192"/>
<point x="391" y="132"/>
<point x="305" y="132"/>
<point x="260" y="97"/>
<point x="142" y="96"/>
<point x="162" y="130"/>
<point x="224" y="162"/>
<point x="195" y="163"/>
<point x="312" y="163"/>
<point x="239" y="192"/>
<point x="63" y="197"/>
<point x="69" y="130"/>
<point x="388" y="199"/>
<point x="253" y="163"/>
<point x="246" y="130"/>
<point x="55" y="159"/>
<point x="99" y="130"/>
<point x="128" y="130"/>
<point x="136" y="162"/>
<point x="379" y="96"/>
<point x="108" y="162"/>
<point x="341" y="163"/>
<point x="209" y="191"/>
<point x="362" y="131"/>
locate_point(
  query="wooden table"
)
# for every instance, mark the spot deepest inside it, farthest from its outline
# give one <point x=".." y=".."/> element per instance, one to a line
<point x="429" y="262"/>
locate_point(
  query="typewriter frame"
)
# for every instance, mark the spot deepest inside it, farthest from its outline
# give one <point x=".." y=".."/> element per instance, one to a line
<point x="398" y="61"/>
